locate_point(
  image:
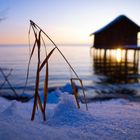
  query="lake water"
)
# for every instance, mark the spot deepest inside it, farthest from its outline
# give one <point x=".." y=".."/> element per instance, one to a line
<point x="84" y="61"/>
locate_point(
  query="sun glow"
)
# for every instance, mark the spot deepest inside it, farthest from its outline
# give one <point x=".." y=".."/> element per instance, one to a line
<point x="118" y="55"/>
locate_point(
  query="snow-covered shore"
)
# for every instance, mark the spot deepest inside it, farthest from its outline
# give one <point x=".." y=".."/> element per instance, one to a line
<point x="108" y="120"/>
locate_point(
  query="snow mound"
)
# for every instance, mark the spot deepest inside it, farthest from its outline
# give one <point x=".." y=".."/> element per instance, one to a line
<point x="53" y="97"/>
<point x="67" y="113"/>
<point x="67" y="88"/>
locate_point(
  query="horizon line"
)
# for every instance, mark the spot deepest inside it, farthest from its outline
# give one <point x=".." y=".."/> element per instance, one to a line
<point x="59" y="44"/>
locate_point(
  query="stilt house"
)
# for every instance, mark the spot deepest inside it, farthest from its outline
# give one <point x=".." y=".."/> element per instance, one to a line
<point x="121" y="32"/>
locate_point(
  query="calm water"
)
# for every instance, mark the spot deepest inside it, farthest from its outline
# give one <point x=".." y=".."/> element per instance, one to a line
<point x="96" y="74"/>
<point x="16" y="57"/>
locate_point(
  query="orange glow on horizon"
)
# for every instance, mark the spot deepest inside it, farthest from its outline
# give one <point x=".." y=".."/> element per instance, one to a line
<point x="59" y="37"/>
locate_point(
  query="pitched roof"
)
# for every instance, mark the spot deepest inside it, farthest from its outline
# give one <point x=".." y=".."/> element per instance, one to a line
<point x="116" y="21"/>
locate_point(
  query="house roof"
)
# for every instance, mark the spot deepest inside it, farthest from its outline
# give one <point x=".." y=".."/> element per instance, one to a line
<point x="116" y="21"/>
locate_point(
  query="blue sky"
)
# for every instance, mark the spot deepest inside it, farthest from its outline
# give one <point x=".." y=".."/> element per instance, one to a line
<point x="66" y="21"/>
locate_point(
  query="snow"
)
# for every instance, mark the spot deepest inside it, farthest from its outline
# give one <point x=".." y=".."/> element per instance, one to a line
<point x="112" y="120"/>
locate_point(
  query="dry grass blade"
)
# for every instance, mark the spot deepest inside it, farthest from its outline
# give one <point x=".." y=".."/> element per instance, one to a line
<point x="33" y="24"/>
<point x="46" y="77"/>
<point x="68" y="63"/>
<point x="46" y="86"/>
<point x="39" y="43"/>
<point x="6" y="79"/>
<point x="27" y="75"/>
<point x="41" y="108"/>
<point x="46" y="59"/>
<point x="33" y="49"/>
<point x="84" y="94"/>
<point x="75" y="93"/>
<point x="36" y="95"/>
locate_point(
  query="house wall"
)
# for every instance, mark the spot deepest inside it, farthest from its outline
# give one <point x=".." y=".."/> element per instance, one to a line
<point x="120" y="34"/>
<point x="138" y="39"/>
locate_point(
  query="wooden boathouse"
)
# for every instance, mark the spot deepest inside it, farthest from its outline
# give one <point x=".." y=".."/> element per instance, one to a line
<point x="116" y="51"/>
<point x="121" y="32"/>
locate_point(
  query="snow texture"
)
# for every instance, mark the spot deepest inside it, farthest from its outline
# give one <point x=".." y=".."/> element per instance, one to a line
<point x="109" y="120"/>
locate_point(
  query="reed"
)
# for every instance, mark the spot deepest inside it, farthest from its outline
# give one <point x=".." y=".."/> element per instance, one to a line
<point x="8" y="82"/>
<point x="38" y="33"/>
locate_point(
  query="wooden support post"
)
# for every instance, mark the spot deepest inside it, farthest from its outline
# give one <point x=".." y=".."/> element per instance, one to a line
<point x="104" y="63"/>
<point x="126" y="66"/>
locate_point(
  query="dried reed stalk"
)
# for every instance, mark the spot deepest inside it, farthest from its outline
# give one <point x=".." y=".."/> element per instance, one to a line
<point x="37" y="33"/>
<point x="6" y="80"/>
<point x="76" y="92"/>
<point x="36" y="94"/>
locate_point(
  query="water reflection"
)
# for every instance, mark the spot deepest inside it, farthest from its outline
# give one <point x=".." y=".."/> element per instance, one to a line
<point x="116" y="69"/>
<point x="118" y="66"/>
<point x="119" y="55"/>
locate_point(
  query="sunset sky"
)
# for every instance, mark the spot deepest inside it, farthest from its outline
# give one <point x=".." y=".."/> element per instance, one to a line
<point x="66" y="21"/>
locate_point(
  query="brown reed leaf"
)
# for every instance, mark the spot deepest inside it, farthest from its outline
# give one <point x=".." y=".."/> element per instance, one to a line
<point x="41" y="108"/>
<point x="39" y="42"/>
<point x="75" y="93"/>
<point x="37" y="77"/>
<point x="35" y="95"/>
<point x="46" y="59"/>
<point x="46" y="86"/>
